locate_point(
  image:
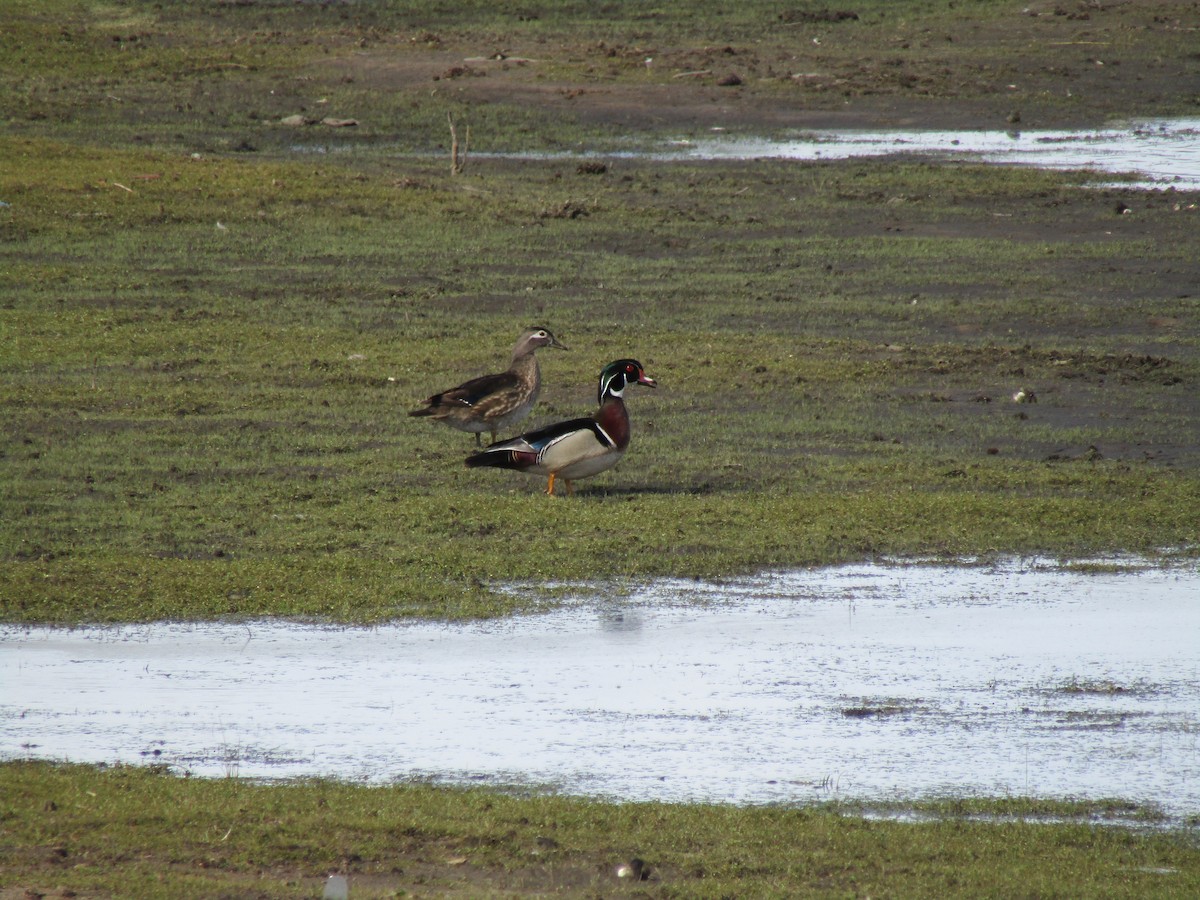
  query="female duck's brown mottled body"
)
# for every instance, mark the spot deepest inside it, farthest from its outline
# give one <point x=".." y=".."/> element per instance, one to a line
<point x="578" y="448"/>
<point x="494" y="402"/>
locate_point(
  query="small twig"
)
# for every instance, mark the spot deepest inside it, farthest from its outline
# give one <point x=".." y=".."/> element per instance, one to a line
<point x="122" y="187"/>
<point x="458" y="161"/>
<point x="499" y="58"/>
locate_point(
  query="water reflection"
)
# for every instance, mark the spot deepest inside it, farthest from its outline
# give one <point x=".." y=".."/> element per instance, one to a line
<point x="864" y="682"/>
<point x="620" y="621"/>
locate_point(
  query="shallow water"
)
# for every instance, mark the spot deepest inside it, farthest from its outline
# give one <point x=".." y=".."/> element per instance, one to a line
<point x="870" y="682"/>
<point x="1165" y="153"/>
<point x="1161" y="154"/>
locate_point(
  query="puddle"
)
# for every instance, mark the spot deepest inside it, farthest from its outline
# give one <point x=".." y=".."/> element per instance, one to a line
<point x="866" y="683"/>
<point x="1165" y="153"/>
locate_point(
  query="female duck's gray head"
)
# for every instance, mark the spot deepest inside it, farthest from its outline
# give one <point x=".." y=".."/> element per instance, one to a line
<point x="534" y="338"/>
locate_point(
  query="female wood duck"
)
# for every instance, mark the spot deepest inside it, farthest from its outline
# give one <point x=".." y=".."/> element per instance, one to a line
<point x="493" y="402"/>
<point x="578" y="448"/>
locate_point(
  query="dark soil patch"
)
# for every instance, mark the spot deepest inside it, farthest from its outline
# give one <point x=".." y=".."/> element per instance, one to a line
<point x="1044" y="65"/>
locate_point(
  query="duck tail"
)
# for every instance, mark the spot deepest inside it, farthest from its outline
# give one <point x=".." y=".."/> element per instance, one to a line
<point x="502" y="459"/>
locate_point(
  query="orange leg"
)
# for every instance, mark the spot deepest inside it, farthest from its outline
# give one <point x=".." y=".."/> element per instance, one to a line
<point x="550" y="486"/>
<point x="570" y="488"/>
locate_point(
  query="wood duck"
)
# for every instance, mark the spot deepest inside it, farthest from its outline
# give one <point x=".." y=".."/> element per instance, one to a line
<point x="578" y="448"/>
<point x="492" y="402"/>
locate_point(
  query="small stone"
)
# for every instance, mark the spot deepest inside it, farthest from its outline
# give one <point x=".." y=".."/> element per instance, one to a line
<point x="635" y="869"/>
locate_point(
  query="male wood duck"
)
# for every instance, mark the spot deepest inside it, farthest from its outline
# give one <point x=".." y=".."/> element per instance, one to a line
<point x="492" y="402"/>
<point x="578" y="448"/>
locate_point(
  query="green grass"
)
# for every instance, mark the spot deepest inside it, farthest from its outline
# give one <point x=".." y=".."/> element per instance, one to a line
<point x="140" y="832"/>
<point x="207" y="419"/>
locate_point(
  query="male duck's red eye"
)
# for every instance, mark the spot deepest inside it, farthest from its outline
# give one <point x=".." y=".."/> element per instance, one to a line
<point x="631" y="370"/>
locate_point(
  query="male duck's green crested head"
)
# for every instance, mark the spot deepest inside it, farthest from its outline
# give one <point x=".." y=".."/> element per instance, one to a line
<point x="619" y="373"/>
